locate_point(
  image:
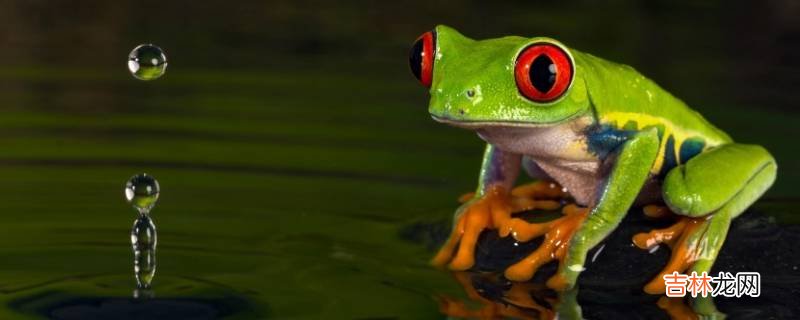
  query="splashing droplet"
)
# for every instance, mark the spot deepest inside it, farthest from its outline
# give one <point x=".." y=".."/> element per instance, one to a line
<point x="142" y="191"/>
<point x="143" y="241"/>
<point x="147" y="62"/>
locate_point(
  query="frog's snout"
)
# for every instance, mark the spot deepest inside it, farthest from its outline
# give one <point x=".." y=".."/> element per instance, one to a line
<point x="467" y="98"/>
<point x="455" y="105"/>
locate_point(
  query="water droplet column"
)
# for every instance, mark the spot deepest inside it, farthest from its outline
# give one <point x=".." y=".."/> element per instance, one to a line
<point x="142" y="192"/>
<point x="143" y="241"/>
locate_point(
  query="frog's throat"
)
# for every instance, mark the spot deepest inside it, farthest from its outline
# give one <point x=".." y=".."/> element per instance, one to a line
<point x="478" y="124"/>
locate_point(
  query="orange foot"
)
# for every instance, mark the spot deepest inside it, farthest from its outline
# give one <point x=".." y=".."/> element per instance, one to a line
<point x="657" y="212"/>
<point x="556" y="241"/>
<point x="493" y="211"/>
<point x="684" y="241"/>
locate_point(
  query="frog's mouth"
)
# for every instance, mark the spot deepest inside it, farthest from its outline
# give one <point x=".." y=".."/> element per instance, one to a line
<point x="480" y="124"/>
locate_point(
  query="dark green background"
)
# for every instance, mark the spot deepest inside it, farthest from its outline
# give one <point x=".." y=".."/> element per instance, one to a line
<point x="292" y="143"/>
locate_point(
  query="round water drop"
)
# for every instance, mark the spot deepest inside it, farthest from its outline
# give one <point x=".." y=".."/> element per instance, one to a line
<point x="147" y="62"/>
<point x="141" y="191"/>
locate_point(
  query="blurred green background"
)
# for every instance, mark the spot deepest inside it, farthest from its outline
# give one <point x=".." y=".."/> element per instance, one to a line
<point x="292" y="143"/>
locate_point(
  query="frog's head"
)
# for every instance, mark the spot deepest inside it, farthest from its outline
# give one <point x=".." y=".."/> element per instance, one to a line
<point x="510" y="81"/>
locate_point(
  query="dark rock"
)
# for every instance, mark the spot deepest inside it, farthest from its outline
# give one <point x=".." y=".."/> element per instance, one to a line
<point x="616" y="270"/>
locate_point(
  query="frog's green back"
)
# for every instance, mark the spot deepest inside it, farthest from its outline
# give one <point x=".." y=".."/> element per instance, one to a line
<point x="623" y="98"/>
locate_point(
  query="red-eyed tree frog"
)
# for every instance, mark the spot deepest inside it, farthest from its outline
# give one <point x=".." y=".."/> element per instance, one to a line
<point x="591" y="130"/>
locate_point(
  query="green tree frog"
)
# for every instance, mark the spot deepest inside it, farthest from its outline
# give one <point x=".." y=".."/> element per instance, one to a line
<point x="594" y="130"/>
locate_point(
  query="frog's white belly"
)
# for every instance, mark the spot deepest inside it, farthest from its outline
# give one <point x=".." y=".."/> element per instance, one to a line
<point x="580" y="179"/>
<point x="560" y="151"/>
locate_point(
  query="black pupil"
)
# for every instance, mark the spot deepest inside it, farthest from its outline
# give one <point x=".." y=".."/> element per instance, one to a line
<point x="415" y="59"/>
<point x="542" y="73"/>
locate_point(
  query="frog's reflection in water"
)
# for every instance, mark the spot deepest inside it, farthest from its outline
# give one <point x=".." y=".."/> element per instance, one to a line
<point x="491" y="296"/>
<point x="499" y="298"/>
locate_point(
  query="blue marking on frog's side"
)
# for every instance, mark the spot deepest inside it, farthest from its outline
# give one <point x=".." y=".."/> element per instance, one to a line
<point x="604" y="139"/>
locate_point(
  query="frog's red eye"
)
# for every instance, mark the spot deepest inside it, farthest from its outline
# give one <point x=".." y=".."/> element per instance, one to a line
<point x="421" y="58"/>
<point x="543" y="72"/>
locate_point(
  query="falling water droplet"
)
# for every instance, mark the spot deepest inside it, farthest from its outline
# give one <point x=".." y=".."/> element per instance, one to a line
<point x="147" y="62"/>
<point x="143" y="241"/>
<point x="142" y="191"/>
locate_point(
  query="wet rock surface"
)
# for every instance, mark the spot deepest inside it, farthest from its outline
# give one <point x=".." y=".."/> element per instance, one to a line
<point x="616" y="270"/>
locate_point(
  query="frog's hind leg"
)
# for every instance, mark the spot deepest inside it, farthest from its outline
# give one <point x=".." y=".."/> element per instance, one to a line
<point x="708" y="192"/>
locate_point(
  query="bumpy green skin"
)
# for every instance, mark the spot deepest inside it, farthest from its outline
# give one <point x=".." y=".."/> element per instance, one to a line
<point x="720" y="182"/>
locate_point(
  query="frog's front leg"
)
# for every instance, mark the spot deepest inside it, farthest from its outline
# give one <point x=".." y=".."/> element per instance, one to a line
<point x="580" y="231"/>
<point x="708" y="191"/>
<point x="491" y="206"/>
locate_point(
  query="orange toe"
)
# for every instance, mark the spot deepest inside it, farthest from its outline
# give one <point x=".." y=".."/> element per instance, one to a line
<point x="524" y="231"/>
<point x="540" y="190"/>
<point x="554" y="247"/>
<point x="466" y="197"/>
<point x="656" y="211"/>
<point x="459" y="250"/>
<point x="657" y="236"/>
<point x="557" y="282"/>
<point x="476" y="219"/>
<point x="682" y="238"/>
